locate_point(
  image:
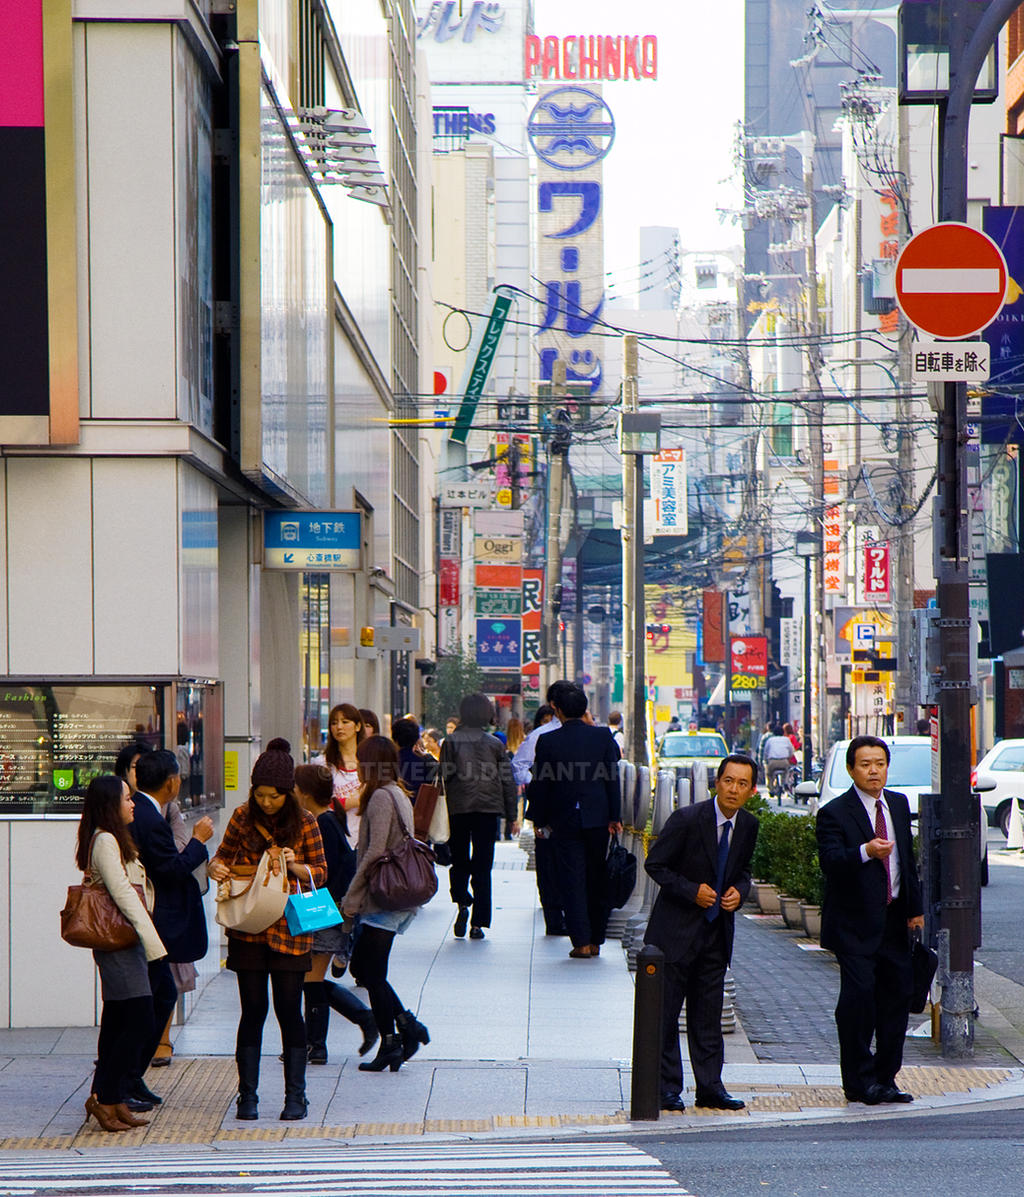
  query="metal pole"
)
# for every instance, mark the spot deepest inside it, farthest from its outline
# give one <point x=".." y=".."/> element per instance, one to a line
<point x="807" y="738"/>
<point x="638" y="734"/>
<point x="553" y="563"/>
<point x="645" y="1090"/>
<point x="630" y="533"/>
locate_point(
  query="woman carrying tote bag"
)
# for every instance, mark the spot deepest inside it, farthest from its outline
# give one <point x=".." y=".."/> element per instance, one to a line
<point x="386" y="821"/>
<point x="107" y="853"/>
<point x="271" y="817"/>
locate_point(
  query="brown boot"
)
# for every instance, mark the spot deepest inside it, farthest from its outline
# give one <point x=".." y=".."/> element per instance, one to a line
<point x="125" y="1115"/>
<point x="106" y="1116"/>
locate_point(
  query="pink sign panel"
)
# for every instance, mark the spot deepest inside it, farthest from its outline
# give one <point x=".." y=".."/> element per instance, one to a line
<point x="21" y="63"/>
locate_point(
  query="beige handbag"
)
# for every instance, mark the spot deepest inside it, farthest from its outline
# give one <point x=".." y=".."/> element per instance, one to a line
<point x="254" y="903"/>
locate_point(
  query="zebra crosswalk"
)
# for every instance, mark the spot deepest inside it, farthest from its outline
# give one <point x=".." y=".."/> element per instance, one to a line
<point x="569" y="1169"/>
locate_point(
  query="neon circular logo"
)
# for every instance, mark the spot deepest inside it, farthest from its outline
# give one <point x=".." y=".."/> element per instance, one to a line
<point x="571" y="128"/>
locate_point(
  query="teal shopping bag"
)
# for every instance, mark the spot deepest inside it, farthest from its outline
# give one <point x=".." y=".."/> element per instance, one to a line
<point x="311" y="912"/>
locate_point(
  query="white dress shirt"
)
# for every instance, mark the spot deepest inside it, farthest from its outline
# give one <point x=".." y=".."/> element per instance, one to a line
<point x="522" y="761"/>
<point x="890" y="834"/>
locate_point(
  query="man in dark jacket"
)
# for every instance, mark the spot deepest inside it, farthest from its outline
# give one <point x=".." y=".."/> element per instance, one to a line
<point x="872" y="903"/>
<point x="178" y="913"/>
<point x="575" y="791"/>
<point x="701" y="861"/>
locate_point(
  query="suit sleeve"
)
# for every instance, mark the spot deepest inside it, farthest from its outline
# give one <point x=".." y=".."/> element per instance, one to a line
<point x="508" y="786"/>
<point x="160" y="855"/>
<point x="674" y="845"/>
<point x="612" y="783"/>
<point x="838" y="859"/>
<point x="908" y="869"/>
<point x="538" y="810"/>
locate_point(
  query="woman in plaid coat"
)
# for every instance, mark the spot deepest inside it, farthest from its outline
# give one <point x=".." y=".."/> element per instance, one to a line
<point x="272" y="817"/>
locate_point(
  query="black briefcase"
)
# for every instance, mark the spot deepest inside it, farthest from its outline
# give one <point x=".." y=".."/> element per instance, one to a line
<point x="924" y="962"/>
<point x="621" y="874"/>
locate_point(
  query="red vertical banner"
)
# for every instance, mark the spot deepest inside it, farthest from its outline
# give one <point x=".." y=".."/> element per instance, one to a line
<point x="533" y="609"/>
<point x="713" y="617"/>
<point x="877" y="573"/>
<point x="449" y="581"/>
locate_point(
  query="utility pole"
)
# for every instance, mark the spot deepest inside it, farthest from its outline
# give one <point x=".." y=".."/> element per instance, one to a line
<point x="970" y="40"/>
<point x="558" y="450"/>
<point x="634" y="641"/>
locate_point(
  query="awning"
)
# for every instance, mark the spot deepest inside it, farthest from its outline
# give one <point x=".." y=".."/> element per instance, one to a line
<point x="717" y="698"/>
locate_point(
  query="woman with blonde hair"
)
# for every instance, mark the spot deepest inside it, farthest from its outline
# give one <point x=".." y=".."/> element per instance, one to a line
<point x="386" y="820"/>
<point x="107" y="853"/>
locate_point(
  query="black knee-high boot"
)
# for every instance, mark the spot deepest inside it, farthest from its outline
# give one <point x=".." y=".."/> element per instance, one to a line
<point x="248" y="1062"/>
<point x="347" y="1004"/>
<point x="318" y="1015"/>
<point x="295" y="1104"/>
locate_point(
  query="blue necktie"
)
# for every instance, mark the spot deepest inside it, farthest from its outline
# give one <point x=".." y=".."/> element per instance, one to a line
<point x="723" y="853"/>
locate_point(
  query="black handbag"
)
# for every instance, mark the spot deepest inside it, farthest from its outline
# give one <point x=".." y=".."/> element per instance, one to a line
<point x="923" y="962"/>
<point x="620" y="867"/>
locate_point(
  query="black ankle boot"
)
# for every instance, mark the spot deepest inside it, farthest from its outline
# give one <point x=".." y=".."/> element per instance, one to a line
<point x="346" y="1003"/>
<point x="318" y="1015"/>
<point x="295" y="1104"/>
<point x="412" y="1032"/>
<point x="389" y="1055"/>
<point x="248" y="1062"/>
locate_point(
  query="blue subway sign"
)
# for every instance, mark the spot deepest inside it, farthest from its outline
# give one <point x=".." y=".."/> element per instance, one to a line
<point x="313" y="541"/>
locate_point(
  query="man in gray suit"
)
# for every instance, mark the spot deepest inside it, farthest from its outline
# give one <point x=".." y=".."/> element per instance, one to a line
<point x="701" y="861"/>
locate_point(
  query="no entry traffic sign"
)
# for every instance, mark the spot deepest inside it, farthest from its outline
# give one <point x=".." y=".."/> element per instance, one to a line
<point x="951" y="280"/>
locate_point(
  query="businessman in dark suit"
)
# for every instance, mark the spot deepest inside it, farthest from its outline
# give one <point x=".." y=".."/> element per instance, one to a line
<point x="178" y="913"/>
<point x="872" y="902"/>
<point x="701" y="861"/>
<point x="575" y="791"/>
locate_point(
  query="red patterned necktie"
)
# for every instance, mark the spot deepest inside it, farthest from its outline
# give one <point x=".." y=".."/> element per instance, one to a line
<point x="881" y="832"/>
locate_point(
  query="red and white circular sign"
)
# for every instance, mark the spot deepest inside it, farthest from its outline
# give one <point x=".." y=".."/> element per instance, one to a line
<point x="951" y="280"/>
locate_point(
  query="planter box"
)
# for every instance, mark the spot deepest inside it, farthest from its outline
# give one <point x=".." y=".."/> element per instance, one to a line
<point x="768" y="897"/>
<point x="791" y="912"/>
<point x="812" y="919"/>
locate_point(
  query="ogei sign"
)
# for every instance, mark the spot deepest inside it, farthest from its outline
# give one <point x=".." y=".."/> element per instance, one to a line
<point x="748" y="664"/>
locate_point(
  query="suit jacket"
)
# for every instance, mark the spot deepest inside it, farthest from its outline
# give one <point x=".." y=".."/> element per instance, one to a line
<point x="178" y="910"/>
<point x="576" y="767"/>
<point x="853" y="911"/>
<point x="684" y="856"/>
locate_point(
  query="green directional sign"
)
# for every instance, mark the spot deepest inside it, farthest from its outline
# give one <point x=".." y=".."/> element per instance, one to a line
<point x="499" y="602"/>
<point x="481" y="368"/>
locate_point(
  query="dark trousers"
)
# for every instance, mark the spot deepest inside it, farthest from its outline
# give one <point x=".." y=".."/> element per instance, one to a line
<point x="286" y="988"/>
<point x="579" y="855"/>
<point x="700" y="983"/>
<point x="472" y="847"/>
<point x="126" y="1028"/>
<point x="369" y="963"/>
<point x="874" y="996"/>
<point x="165" y="998"/>
<point x="548" y="889"/>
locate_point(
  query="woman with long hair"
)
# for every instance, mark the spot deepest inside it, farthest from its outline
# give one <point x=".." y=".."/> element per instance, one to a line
<point x="107" y="853"/>
<point x="314" y="791"/>
<point x="272" y="818"/>
<point x="370" y="721"/>
<point x="479" y="789"/>
<point x="345" y="732"/>
<point x="386" y="819"/>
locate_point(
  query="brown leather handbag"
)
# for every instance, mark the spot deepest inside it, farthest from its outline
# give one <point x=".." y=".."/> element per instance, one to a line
<point x="403" y="877"/>
<point x="92" y="919"/>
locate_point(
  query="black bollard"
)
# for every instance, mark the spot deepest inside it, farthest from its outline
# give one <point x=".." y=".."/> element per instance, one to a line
<point x="645" y="1093"/>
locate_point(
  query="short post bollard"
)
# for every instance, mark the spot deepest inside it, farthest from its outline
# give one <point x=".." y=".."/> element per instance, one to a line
<point x="645" y="1092"/>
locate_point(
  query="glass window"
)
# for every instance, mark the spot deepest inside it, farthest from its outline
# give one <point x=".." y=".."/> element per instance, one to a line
<point x="1010" y="760"/>
<point x="683" y="745"/>
<point x="315" y="656"/>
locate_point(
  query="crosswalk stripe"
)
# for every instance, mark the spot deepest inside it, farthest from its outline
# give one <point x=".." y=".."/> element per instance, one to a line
<point x="484" y="1170"/>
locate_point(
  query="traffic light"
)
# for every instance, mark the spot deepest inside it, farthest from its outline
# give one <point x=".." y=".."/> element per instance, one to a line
<point x="658" y="629"/>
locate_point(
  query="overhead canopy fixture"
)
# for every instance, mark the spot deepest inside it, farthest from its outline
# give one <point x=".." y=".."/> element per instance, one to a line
<point x="337" y="147"/>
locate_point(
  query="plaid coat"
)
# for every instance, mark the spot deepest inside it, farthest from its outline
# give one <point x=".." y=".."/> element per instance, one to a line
<point x="238" y="848"/>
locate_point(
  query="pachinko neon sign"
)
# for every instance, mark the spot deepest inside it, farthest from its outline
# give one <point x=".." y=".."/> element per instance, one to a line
<point x="592" y="56"/>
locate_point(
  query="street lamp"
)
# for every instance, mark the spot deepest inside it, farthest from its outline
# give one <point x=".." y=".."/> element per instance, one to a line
<point x="807" y="547"/>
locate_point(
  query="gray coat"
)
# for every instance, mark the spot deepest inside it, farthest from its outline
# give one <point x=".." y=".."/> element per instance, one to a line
<point x="477" y="774"/>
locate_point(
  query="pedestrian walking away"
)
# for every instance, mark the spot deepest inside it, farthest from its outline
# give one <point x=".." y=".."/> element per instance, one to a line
<point x="178" y="913"/>
<point x="386" y="821"/>
<point x="314" y="789"/>
<point x="701" y="862"/>
<point x="273" y="818"/>
<point x="545" y="872"/>
<point x="109" y="855"/>
<point x="575" y="792"/>
<point x="872" y="905"/>
<point x="479" y="790"/>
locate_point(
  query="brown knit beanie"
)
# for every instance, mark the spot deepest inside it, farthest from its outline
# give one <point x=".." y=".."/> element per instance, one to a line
<point x="275" y="767"/>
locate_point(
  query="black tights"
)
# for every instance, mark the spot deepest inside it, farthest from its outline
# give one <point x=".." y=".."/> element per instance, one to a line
<point x="252" y="993"/>
<point x="369" y="964"/>
<point x="125" y="1026"/>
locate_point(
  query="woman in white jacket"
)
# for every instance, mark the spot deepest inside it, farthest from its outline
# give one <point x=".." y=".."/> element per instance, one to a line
<point x="107" y="853"/>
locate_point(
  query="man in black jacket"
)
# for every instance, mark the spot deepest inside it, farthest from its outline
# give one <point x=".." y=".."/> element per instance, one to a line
<point x="575" y="791"/>
<point x="701" y="861"/>
<point x="872" y="903"/>
<point x="178" y="913"/>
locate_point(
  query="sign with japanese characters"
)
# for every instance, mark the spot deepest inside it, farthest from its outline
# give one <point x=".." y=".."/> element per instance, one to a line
<point x="951" y="361"/>
<point x="748" y="664"/>
<point x="533" y="610"/>
<point x="876" y="572"/>
<point x="466" y="494"/>
<point x="486" y="349"/>
<point x="668" y="489"/>
<point x="313" y="541"/>
<point x="499" y="602"/>
<point x="498" y="643"/>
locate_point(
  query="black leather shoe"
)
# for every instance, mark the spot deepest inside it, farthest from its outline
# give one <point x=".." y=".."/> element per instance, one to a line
<point x="895" y="1096"/>
<point x="719" y="1101"/>
<point x="136" y="1106"/>
<point x="673" y="1104"/>
<point x="873" y="1095"/>
<point x="138" y="1089"/>
<point x="461" y="922"/>
<point x="476" y="933"/>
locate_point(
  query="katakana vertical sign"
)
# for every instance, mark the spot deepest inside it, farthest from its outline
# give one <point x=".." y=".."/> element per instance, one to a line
<point x="876" y="573"/>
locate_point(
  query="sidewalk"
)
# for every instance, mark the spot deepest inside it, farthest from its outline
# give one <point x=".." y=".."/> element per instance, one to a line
<point x="523" y="1040"/>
